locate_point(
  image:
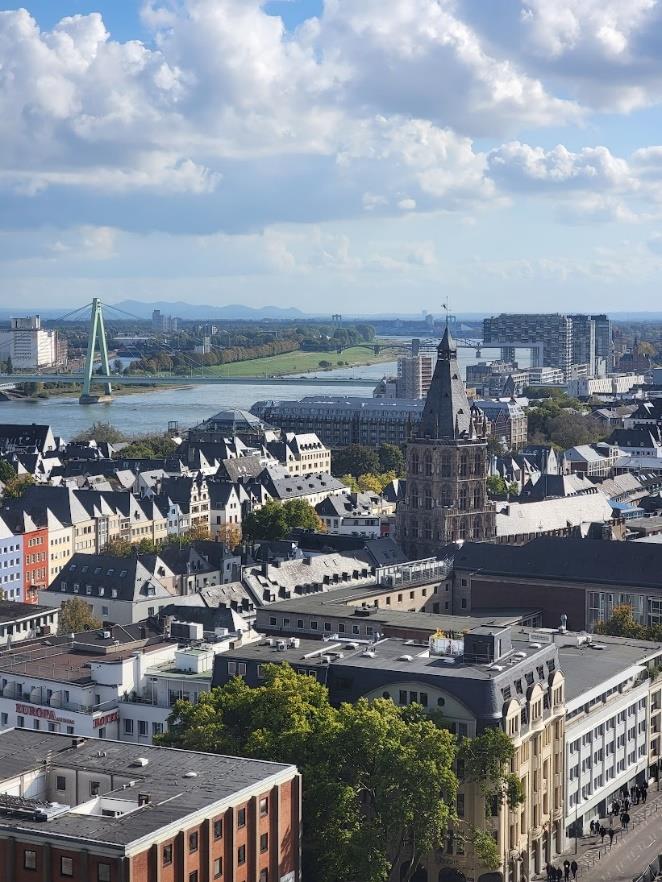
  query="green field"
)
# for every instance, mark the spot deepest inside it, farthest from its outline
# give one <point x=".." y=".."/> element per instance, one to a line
<point x="300" y="362"/>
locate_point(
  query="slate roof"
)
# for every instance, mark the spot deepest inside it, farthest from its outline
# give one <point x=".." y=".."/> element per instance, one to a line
<point x="447" y="412"/>
<point x="297" y="486"/>
<point x="22" y="436"/>
<point x="567" y="560"/>
<point x="129" y="577"/>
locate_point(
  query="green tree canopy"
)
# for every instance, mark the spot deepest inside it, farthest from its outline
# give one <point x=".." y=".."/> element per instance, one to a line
<point x="391" y="459"/>
<point x="15" y="487"/>
<point x="355" y="460"/>
<point x="7" y="473"/>
<point x="151" y="446"/>
<point x="623" y="624"/>
<point x="101" y="432"/>
<point x="119" y="547"/>
<point x="393" y="761"/>
<point x="276" y="521"/>
<point x="76" y="616"/>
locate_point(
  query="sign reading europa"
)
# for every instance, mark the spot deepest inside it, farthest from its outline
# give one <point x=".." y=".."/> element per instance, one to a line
<point x="44" y="713"/>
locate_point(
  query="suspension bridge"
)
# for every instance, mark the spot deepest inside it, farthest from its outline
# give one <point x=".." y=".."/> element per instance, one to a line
<point x="103" y="378"/>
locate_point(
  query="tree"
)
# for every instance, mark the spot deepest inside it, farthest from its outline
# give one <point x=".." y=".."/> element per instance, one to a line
<point x="100" y="432"/>
<point x="355" y="460"/>
<point x="229" y="535"/>
<point x="276" y="521"/>
<point x="487" y="759"/>
<point x="7" y="473"/>
<point x="570" y="429"/>
<point x="149" y="447"/>
<point x="370" y="483"/>
<point x="76" y="616"/>
<point x="119" y="547"/>
<point x="496" y="486"/>
<point x="378" y="779"/>
<point x="15" y="487"/>
<point x="391" y="459"/>
<point x="351" y="482"/>
<point x="622" y="624"/>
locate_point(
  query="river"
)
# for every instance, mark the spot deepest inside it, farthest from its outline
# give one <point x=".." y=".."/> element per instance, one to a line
<point x="146" y="412"/>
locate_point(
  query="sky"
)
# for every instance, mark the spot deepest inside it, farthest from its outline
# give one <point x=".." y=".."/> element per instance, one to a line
<point x="351" y="156"/>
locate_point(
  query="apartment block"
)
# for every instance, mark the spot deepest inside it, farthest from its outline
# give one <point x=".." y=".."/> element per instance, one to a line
<point x="91" y="810"/>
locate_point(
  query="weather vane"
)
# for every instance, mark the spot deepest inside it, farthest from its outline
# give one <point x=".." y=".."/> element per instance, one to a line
<point x="449" y="317"/>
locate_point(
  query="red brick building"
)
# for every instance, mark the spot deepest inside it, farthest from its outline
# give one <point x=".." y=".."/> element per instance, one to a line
<point x="34" y="539"/>
<point x="79" y="810"/>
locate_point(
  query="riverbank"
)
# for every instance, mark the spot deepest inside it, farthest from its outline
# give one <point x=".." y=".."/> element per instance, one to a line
<point x="119" y="390"/>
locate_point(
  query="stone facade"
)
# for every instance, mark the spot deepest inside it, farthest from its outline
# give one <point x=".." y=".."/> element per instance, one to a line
<point x="447" y="467"/>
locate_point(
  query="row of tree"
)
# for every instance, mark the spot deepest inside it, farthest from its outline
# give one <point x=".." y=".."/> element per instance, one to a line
<point x="379" y="781"/>
<point x="180" y="362"/>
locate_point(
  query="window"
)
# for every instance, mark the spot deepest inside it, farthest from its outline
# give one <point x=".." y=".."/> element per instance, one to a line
<point x="264" y="806"/>
<point x="241" y="818"/>
<point x="193" y="877"/>
<point x="157" y="728"/>
<point x="218" y="867"/>
<point x="66" y="866"/>
<point x="142" y="727"/>
<point x="128" y="727"/>
<point x="193" y="841"/>
<point x="94" y="788"/>
<point x="218" y="828"/>
<point x="103" y="872"/>
<point x="167" y="855"/>
<point x="29" y="859"/>
<point x="241" y="855"/>
<point x="264" y="842"/>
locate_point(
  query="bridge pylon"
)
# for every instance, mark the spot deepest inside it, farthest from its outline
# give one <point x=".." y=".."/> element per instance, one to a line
<point x="97" y="332"/>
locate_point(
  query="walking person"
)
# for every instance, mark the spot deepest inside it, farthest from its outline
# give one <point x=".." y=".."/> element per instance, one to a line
<point x="611" y="836"/>
<point x="566" y="869"/>
<point x="574" y="868"/>
<point x="603" y="833"/>
<point x="625" y="820"/>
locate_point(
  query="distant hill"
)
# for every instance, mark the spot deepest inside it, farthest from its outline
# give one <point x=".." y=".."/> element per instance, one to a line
<point x="183" y="310"/>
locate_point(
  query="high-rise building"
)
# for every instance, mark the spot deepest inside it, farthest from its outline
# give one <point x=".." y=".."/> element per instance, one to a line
<point x="559" y="341"/>
<point x="415" y="371"/>
<point x="446" y="467"/>
<point x="29" y="346"/>
<point x="604" y="346"/>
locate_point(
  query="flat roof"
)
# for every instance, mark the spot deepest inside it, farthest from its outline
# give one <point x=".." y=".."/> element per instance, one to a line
<point x="383" y="615"/>
<point x="172" y="795"/>
<point x="63" y="663"/>
<point x="585" y="666"/>
<point x="11" y="610"/>
<point x="388" y="653"/>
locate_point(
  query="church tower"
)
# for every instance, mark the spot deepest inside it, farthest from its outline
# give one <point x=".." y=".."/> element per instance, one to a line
<point x="447" y="467"/>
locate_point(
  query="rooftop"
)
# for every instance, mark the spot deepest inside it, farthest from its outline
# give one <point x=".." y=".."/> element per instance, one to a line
<point x="178" y="784"/>
<point x="567" y="560"/>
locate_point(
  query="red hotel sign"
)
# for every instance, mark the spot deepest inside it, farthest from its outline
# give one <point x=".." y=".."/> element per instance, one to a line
<point x="107" y="718"/>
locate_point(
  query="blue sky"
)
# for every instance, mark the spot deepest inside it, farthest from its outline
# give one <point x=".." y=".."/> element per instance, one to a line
<point x="367" y="155"/>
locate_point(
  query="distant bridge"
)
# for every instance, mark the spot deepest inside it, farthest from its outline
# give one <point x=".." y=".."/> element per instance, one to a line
<point x="7" y="380"/>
